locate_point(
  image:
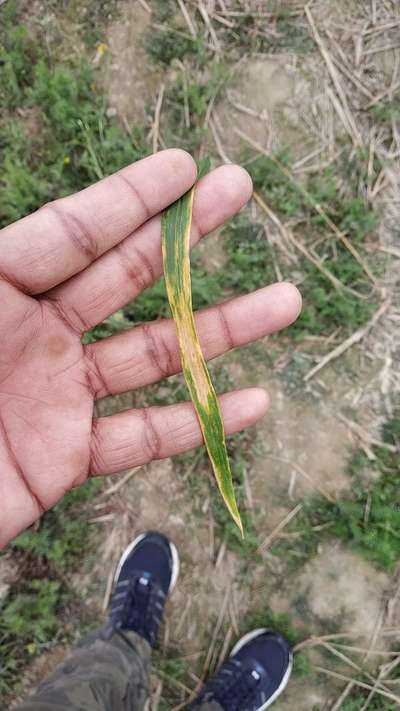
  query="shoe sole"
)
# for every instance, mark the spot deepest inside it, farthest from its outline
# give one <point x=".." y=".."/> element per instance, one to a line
<point x="174" y="555"/>
<point x="248" y="638"/>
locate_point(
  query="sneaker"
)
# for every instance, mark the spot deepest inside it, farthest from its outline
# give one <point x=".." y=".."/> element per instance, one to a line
<point x="253" y="677"/>
<point x="146" y="574"/>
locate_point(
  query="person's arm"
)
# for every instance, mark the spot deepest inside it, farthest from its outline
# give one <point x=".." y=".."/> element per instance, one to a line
<point x="66" y="268"/>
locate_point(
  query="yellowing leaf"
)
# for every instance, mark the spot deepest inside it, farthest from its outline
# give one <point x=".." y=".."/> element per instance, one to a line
<point x="175" y="230"/>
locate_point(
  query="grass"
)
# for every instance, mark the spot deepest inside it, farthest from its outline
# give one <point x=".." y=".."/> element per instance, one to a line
<point x="246" y="33"/>
<point x="186" y="102"/>
<point x="37" y="615"/>
<point x="29" y="622"/>
<point x="337" y="191"/>
<point x="367" y="521"/>
<point x="37" y="610"/>
<point x="56" y="137"/>
<point x="386" y="112"/>
<point x="62" y="531"/>
<point x="174" y="673"/>
<point x="61" y="138"/>
<point x="356" y="701"/>
<point x="199" y="73"/>
<point x="282" y="33"/>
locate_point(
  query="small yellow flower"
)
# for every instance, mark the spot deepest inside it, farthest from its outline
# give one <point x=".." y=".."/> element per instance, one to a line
<point x="67" y="160"/>
<point x="101" y="49"/>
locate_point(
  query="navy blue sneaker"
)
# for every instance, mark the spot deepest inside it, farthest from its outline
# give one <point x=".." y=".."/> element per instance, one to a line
<point x="253" y="677"/>
<point x="146" y="574"/>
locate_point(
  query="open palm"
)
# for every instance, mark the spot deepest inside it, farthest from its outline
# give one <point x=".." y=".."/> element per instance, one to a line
<point x="66" y="268"/>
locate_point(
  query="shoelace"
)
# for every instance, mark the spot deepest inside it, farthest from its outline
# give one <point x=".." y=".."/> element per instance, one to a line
<point x="138" y="605"/>
<point x="233" y="686"/>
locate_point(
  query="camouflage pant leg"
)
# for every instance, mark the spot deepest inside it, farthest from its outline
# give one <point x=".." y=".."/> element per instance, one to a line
<point x="108" y="671"/>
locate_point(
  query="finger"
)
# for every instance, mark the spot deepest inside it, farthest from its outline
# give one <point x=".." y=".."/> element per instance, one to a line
<point x="150" y="352"/>
<point x="122" y="273"/>
<point x="66" y="235"/>
<point x="136" y="437"/>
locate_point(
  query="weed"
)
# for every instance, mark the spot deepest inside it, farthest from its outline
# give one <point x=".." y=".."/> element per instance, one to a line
<point x="174" y="673"/>
<point x="292" y="375"/>
<point x="336" y="191"/>
<point x="249" y="263"/>
<point x="387" y="112"/>
<point x="34" y="614"/>
<point x="170" y="40"/>
<point x="245" y="33"/>
<point x="368" y="521"/>
<point x="326" y="308"/>
<point x="63" y="529"/>
<point x="29" y="621"/>
<point x="93" y="16"/>
<point x="62" y="139"/>
<point x="281" y="33"/>
<point x="186" y="101"/>
<point x="280" y="192"/>
<point x="171" y="44"/>
<point x="357" y="700"/>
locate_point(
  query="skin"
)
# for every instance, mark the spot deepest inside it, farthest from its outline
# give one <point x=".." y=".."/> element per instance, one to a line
<point x="66" y="268"/>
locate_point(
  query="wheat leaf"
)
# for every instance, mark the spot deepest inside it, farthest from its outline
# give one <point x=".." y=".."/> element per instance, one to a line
<point x="175" y="230"/>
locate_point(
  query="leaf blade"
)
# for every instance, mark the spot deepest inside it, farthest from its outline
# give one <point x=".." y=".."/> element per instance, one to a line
<point x="175" y="231"/>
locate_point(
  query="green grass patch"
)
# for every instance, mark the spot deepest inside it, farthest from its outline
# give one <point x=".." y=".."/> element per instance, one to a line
<point x="61" y="139"/>
<point x="36" y="614"/>
<point x="186" y="101"/>
<point x="386" y="112"/>
<point x="337" y="191"/>
<point x="28" y="624"/>
<point x="283" y="32"/>
<point x="250" y="258"/>
<point x="170" y="38"/>
<point x="35" y="617"/>
<point x="368" y="521"/>
<point x="63" y="531"/>
<point x="174" y="672"/>
<point x="357" y="699"/>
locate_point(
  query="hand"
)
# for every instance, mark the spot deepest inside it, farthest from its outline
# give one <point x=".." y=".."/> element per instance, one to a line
<point x="66" y="268"/>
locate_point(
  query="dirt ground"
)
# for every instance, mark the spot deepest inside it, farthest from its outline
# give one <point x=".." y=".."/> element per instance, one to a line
<point x="284" y="98"/>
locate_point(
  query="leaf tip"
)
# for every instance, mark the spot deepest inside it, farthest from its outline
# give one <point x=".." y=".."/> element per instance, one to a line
<point x="237" y="519"/>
